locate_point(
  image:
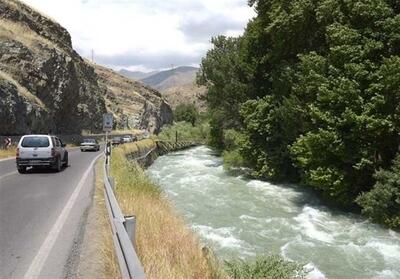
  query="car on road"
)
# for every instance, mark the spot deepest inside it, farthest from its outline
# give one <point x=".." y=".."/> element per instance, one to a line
<point x="41" y="151"/>
<point x="89" y="145"/>
<point x="127" y="139"/>
<point x="117" y="140"/>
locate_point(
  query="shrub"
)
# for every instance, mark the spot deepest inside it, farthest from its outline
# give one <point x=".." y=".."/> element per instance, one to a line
<point x="266" y="267"/>
<point x="187" y="113"/>
<point x="186" y="132"/>
<point x="382" y="203"/>
<point x="233" y="159"/>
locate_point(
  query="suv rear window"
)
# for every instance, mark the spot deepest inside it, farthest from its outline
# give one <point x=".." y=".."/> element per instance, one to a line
<point x="35" y="142"/>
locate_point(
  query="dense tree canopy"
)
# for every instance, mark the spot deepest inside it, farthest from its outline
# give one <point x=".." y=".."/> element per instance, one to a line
<point x="314" y="87"/>
<point x="187" y="113"/>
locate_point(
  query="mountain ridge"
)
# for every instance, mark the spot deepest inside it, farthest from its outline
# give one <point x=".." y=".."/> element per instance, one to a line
<point x="177" y="86"/>
<point x="137" y="75"/>
<point x="175" y="77"/>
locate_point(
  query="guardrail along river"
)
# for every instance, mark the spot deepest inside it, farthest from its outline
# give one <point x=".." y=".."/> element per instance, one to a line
<point x="242" y="218"/>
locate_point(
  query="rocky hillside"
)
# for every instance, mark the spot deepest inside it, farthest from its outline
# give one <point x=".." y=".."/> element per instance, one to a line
<point x="45" y="86"/>
<point x="186" y="94"/>
<point x="133" y="104"/>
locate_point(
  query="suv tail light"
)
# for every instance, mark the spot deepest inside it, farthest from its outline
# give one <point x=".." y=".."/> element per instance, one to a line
<point x="53" y="152"/>
<point x="17" y="153"/>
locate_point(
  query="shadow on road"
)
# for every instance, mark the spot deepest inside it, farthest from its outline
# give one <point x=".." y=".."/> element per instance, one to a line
<point x="35" y="170"/>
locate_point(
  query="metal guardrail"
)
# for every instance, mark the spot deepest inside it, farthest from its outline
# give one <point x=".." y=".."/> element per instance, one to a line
<point x="146" y="155"/>
<point x="123" y="230"/>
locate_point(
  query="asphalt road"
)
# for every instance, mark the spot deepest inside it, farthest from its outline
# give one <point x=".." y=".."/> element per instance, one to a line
<point x="42" y="217"/>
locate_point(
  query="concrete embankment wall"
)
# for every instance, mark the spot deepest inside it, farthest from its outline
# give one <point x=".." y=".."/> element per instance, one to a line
<point x="145" y="152"/>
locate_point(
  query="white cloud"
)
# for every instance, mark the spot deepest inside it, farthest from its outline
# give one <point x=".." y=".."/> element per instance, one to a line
<point x="173" y="31"/>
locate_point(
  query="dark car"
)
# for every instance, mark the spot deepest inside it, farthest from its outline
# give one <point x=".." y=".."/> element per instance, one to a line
<point x="117" y="140"/>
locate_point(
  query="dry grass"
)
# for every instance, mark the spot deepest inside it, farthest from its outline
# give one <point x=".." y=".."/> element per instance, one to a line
<point x="186" y="94"/>
<point x="6" y="153"/>
<point x="23" y="34"/>
<point x="109" y="259"/>
<point x="134" y="147"/>
<point x="26" y="8"/>
<point x="22" y="90"/>
<point x="135" y="132"/>
<point x="166" y="247"/>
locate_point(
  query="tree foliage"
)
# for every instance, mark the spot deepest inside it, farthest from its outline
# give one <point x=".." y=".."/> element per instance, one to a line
<point x="382" y="203"/>
<point x="186" y="112"/>
<point x="314" y="86"/>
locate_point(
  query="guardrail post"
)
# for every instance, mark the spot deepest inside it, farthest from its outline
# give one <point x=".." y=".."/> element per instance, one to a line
<point x="112" y="182"/>
<point x="130" y="227"/>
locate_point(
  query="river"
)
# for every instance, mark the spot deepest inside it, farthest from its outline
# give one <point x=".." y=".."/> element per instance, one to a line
<point x="242" y="218"/>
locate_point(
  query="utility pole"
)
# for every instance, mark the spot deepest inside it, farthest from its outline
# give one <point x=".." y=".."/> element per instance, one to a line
<point x="173" y="73"/>
<point x="92" y="55"/>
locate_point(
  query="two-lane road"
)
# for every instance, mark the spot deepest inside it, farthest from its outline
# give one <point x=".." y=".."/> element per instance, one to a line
<point x="42" y="217"/>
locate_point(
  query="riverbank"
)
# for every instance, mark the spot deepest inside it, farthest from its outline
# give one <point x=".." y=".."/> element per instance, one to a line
<point x="166" y="247"/>
<point x="241" y="217"/>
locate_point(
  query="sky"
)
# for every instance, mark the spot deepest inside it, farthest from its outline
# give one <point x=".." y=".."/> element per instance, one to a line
<point x="146" y="35"/>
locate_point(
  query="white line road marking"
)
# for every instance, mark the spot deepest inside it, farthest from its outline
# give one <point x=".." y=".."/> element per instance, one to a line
<point x="8" y="174"/>
<point x="7" y="159"/>
<point x="40" y="259"/>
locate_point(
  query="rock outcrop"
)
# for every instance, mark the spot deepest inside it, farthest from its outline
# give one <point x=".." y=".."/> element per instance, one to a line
<point x="133" y="104"/>
<point x="45" y="86"/>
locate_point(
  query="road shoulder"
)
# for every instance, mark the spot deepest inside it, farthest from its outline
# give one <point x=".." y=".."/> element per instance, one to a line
<point x="95" y="249"/>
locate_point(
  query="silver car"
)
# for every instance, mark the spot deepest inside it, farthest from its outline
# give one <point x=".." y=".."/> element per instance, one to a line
<point x="90" y="145"/>
<point x="41" y="151"/>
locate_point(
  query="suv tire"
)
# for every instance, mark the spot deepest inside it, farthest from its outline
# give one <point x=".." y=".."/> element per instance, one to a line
<point x="21" y="169"/>
<point x="66" y="160"/>
<point x="58" y="165"/>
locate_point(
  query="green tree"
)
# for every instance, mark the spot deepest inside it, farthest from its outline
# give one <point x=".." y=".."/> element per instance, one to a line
<point x="382" y="203"/>
<point x="314" y="87"/>
<point x="186" y="112"/>
<point x="223" y="74"/>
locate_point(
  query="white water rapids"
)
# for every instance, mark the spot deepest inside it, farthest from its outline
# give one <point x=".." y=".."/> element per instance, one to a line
<point x="241" y="218"/>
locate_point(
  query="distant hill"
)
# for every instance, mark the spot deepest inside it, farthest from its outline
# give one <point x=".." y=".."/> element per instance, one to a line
<point x="137" y="75"/>
<point x="172" y="78"/>
<point x="177" y="85"/>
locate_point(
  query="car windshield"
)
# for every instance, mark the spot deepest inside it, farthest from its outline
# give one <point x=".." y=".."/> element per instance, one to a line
<point x="35" y="142"/>
<point x="116" y="138"/>
<point x="89" y="141"/>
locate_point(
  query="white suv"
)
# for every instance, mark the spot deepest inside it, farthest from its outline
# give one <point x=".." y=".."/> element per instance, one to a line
<point x="41" y="151"/>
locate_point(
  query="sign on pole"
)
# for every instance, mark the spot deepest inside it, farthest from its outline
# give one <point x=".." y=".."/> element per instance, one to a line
<point x="108" y="122"/>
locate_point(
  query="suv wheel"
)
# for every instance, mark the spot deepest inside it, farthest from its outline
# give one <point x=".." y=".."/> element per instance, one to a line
<point x="66" y="160"/>
<point x="21" y="169"/>
<point x="58" y="165"/>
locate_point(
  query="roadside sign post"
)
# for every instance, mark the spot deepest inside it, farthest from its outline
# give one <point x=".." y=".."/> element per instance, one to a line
<point x="7" y="143"/>
<point x="108" y="123"/>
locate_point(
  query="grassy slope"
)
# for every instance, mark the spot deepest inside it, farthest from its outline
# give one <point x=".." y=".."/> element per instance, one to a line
<point x="6" y="153"/>
<point x="166" y="247"/>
